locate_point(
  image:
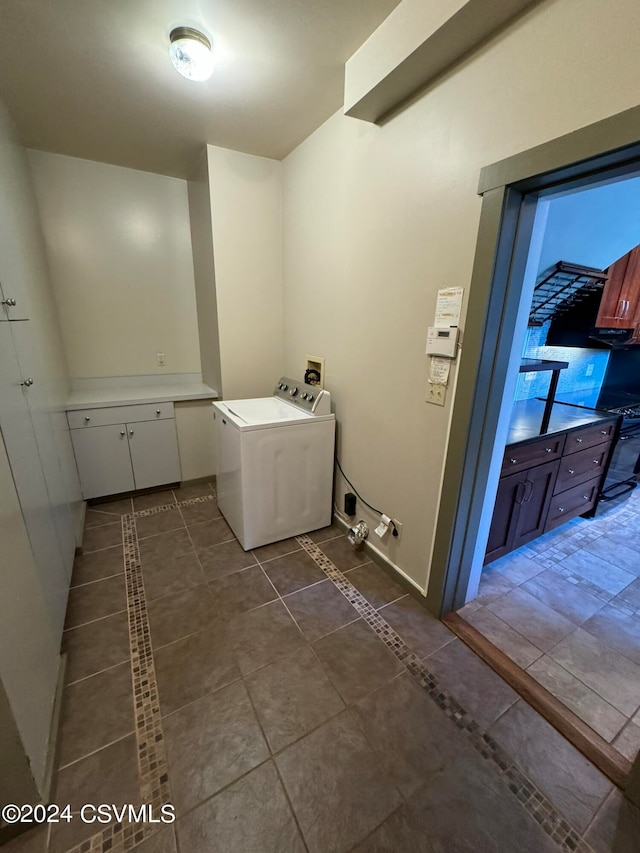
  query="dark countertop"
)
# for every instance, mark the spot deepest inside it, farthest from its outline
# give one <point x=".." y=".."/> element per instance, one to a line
<point x="532" y="365"/>
<point x="527" y="417"/>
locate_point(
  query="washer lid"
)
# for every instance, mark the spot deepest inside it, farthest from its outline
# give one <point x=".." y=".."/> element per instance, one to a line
<point x="265" y="412"/>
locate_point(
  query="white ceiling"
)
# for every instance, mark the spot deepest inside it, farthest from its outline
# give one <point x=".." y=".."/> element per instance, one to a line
<point x="93" y="79"/>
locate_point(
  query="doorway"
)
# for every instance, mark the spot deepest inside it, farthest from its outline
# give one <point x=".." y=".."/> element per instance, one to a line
<point x="515" y="193"/>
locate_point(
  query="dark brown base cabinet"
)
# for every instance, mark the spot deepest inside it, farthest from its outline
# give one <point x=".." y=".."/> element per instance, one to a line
<point x="547" y="481"/>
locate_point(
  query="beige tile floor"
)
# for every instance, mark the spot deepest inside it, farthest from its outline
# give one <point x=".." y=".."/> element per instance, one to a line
<point x="288" y="722"/>
<point x="566" y="608"/>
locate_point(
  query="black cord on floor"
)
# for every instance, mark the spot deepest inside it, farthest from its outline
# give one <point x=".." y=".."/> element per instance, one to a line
<point x="359" y="496"/>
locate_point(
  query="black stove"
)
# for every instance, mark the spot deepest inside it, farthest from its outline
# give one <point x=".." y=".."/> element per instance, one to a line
<point x="631" y="413"/>
<point x="623" y="474"/>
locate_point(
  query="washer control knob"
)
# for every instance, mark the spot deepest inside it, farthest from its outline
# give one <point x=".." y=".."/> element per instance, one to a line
<point x="310" y="398"/>
<point x="293" y="392"/>
<point x="303" y="396"/>
<point x="284" y="387"/>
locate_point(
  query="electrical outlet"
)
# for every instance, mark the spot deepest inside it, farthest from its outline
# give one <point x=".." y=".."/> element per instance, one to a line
<point x="436" y="394"/>
<point x="398" y="525"/>
<point x="160" y="359"/>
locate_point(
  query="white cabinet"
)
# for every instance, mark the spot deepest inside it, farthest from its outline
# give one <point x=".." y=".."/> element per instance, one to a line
<point x="103" y="460"/>
<point x="119" y="449"/>
<point x="25" y="457"/>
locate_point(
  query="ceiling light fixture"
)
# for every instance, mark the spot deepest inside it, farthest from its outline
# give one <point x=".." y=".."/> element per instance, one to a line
<point x="190" y="52"/>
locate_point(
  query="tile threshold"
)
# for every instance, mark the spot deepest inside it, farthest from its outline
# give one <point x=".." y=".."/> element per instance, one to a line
<point x="587" y="741"/>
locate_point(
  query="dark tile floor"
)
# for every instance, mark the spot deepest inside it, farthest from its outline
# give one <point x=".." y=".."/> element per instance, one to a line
<point x="566" y="608"/>
<point x="289" y="724"/>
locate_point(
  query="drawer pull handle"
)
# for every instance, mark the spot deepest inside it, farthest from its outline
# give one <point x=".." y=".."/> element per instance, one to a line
<point x="10" y="303"/>
<point x="87" y="418"/>
<point x="122" y="432"/>
<point x="513" y="461"/>
<point x="560" y="509"/>
<point x="578" y="441"/>
<point x="603" y="432"/>
<point x="571" y="471"/>
<point x="547" y="450"/>
<point x="130" y="432"/>
<point x="596" y="461"/>
<point x="585" y="497"/>
<point x="157" y="411"/>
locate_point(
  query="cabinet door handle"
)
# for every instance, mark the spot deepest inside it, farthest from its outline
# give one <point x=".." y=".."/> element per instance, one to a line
<point x="547" y="450"/>
<point x="571" y="471"/>
<point x="27" y="383"/>
<point x="579" y="440"/>
<point x="122" y="432"/>
<point x="560" y="509"/>
<point x="10" y="303"/>
<point x="585" y="497"/>
<point x="87" y="418"/>
<point x="604" y="432"/>
<point x="520" y="493"/>
<point x="513" y="461"/>
<point x="157" y="411"/>
<point x="130" y="432"/>
<point x="596" y="461"/>
<point x="528" y="490"/>
<point x="622" y="310"/>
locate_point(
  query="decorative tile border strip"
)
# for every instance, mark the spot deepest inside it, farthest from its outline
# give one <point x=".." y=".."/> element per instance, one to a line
<point x="533" y="800"/>
<point x="152" y="760"/>
<point x="153" y="773"/>
<point x="154" y="510"/>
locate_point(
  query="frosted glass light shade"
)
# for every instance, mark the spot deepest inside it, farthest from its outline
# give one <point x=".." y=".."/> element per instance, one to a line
<point x="190" y="53"/>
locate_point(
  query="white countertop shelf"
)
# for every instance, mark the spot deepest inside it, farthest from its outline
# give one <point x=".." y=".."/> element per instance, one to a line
<point x="98" y="398"/>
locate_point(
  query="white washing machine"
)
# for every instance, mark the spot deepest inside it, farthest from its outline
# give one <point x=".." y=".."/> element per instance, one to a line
<point x="275" y="463"/>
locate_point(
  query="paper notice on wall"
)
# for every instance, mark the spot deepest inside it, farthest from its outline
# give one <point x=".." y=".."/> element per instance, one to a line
<point x="449" y="307"/>
<point x="439" y="370"/>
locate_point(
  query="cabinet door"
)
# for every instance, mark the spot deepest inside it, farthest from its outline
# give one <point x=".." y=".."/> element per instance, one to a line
<point x="154" y="453"/>
<point x="104" y="463"/>
<point x="538" y="490"/>
<point x="511" y="492"/>
<point x="621" y="295"/>
<point x="21" y="446"/>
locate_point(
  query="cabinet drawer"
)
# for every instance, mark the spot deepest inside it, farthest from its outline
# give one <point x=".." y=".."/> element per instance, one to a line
<point x="581" y="466"/>
<point x="522" y="456"/>
<point x="589" y="436"/>
<point x="572" y="502"/>
<point x="82" y="418"/>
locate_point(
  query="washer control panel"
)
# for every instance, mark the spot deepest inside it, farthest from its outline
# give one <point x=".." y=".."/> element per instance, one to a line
<point x="312" y="399"/>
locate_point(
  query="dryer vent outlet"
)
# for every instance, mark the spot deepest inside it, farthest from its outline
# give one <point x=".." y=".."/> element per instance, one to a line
<point x="358" y="534"/>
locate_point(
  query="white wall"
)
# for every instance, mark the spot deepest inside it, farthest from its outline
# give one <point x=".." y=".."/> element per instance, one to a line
<point x="377" y="218"/>
<point x="204" y="272"/>
<point x="119" y="248"/>
<point x="246" y="214"/>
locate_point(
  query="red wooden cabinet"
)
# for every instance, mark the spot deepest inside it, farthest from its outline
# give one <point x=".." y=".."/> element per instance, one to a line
<point x="620" y="305"/>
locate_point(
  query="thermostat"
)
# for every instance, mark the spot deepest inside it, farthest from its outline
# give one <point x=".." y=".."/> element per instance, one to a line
<point x="442" y="341"/>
